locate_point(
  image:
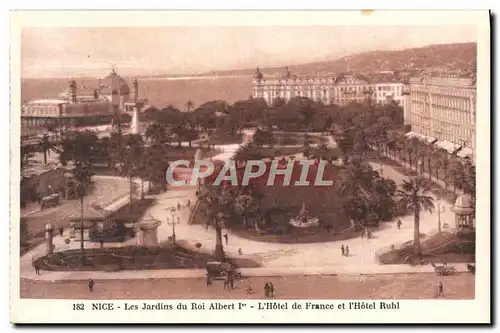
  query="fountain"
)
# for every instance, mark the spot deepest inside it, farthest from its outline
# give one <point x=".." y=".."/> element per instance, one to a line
<point x="303" y="220"/>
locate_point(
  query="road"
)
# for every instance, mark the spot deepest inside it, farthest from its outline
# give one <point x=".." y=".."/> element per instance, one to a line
<point x="384" y="286"/>
<point x="104" y="192"/>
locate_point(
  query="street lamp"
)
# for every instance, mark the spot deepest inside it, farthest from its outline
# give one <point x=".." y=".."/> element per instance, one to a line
<point x="174" y="222"/>
<point x="439" y="211"/>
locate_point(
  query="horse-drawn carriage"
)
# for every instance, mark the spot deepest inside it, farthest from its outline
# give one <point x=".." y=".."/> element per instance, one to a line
<point x="50" y="201"/>
<point x="219" y="270"/>
<point x="444" y="269"/>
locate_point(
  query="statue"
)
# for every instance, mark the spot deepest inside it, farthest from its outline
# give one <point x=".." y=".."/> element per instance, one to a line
<point x="303" y="220"/>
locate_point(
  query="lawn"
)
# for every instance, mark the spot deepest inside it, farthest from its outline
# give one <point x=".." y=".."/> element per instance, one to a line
<point x="281" y="203"/>
<point x="126" y="258"/>
<point x="443" y="247"/>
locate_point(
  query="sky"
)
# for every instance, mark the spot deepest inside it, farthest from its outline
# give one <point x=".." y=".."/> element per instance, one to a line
<point x="62" y="52"/>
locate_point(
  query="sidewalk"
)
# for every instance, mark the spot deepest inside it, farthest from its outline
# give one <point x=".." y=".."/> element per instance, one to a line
<point x="341" y="270"/>
<point x="277" y="259"/>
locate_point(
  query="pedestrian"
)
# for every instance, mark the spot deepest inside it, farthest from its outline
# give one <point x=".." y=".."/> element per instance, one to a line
<point x="91" y="285"/>
<point x="342" y="249"/>
<point x="362" y="233"/>
<point x="347" y="251"/>
<point x="178" y="206"/>
<point x="440" y="289"/>
<point x="61" y="230"/>
<point x="37" y="269"/>
<point x="271" y="289"/>
<point x="226" y="282"/>
<point x="102" y="243"/>
<point x="209" y="280"/>
<point x="266" y="289"/>
<point x="189" y="203"/>
<point x="226" y="237"/>
<point x="231" y="280"/>
<point x="240" y="251"/>
<point x="399" y="223"/>
<point x="249" y="290"/>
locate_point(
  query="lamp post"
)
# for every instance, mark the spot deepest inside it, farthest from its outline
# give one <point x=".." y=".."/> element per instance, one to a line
<point x="439" y="213"/>
<point x="174" y="222"/>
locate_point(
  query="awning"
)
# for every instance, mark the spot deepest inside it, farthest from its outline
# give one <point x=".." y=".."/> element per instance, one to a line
<point x="465" y="152"/>
<point x="424" y="138"/>
<point x="449" y="146"/>
<point x="430" y="139"/>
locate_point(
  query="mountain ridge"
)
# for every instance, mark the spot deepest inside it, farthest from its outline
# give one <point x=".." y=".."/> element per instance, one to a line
<point x="454" y="56"/>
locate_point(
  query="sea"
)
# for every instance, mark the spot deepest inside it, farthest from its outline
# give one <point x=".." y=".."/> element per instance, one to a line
<point x="160" y="92"/>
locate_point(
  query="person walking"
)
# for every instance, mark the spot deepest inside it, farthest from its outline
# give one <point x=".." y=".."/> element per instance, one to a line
<point x="226" y="238"/>
<point x="342" y="249"/>
<point x="271" y="289"/>
<point x="178" y="206"/>
<point x="249" y="290"/>
<point x="266" y="289"/>
<point x="399" y="223"/>
<point x="226" y="282"/>
<point x="231" y="280"/>
<point x="440" y="289"/>
<point x="189" y="203"/>
<point x="91" y="285"/>
<point x="37" y="269"/>
<point x="61" y="231"/>
<point x="347" y="251"/>
<point x="362" y="233"/>
<point x="209" y="280"/>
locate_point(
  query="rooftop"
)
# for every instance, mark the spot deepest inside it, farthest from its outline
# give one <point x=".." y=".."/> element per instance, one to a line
<point x="48" y="101"/>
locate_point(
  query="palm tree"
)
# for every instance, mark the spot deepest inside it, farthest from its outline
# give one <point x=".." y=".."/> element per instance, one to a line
<point x="412" y="195"/>
<point x="355" y="186"/>
<point x="218" y="204"/>
<point x="82" y="179"/>
<point x="45" y="146"/>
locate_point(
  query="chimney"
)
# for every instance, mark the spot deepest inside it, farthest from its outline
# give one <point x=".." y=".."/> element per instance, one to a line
<point x="72" y="91"/>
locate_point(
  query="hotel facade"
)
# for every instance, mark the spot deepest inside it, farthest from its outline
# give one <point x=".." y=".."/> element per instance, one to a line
<point x="340" y="90"/>
<point x="442" y="110"/>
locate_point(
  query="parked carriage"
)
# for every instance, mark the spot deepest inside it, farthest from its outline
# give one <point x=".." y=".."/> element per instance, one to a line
<point x="444" y="269"/>
<point x="219" y="270"/>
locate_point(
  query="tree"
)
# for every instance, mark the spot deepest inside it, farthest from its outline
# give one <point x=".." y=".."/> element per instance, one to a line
<point x="469" y="185"/>
<point x="24" y="234"/>
<point x="157" y="133"/>
<point x="132" y="161"/>
<point x="82" y="179"/>
<point x="27" y="153"/>
<point x="45" y="146"/>
<point x="412" y="195"/>
<point x="455" y="173"/>
<point x="79" y="147"/>
<point x="245" y="205"/>
<point x="218" y="204"/>
<point x="355" y="186"/>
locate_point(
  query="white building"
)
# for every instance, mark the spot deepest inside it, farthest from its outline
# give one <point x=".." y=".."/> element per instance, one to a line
<point x="340" y="90"/>
<point x="443" y="107"/>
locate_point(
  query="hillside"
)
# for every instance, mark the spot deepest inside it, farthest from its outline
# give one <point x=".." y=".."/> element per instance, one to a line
<point x="459" y="57"/>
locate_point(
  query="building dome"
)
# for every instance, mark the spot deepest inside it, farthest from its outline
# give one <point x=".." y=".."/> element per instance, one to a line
<point x="257" y="74"/>
<point x="463" y="205"/>
<point x="115" y="82"/>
